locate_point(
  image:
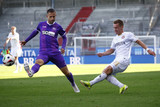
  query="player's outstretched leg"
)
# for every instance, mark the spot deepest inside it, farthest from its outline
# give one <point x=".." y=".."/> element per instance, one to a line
<point x="86" y="84"/>
<point x="74" y="86"/>
<point x="27" y="69"/>
<point x="99" y="78"/>
<point x="113" y="80"/>
<point x="123" y="89"/>
<point x="70" y="78"/>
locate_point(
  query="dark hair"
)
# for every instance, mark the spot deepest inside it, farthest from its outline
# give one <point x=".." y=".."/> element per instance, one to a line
<point x="120" y="22"/>
<point x="50" y="10"/>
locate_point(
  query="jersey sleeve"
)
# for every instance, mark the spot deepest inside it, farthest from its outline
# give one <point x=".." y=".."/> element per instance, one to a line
<point x="133" y="37"/>
<point x="34" y="33"/>
<point x="63" y="34"/>
<point x="61" y="31"/>
<point x="38" y="27"/>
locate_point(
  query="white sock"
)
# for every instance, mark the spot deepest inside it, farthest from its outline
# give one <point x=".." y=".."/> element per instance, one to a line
<point x="98" y="78"/>
<point x="114" y="81"/>
<point x="17" y="64"/>
<point x="20" y="67"/>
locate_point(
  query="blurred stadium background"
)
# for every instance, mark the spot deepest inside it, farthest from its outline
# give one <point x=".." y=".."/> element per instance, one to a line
<point x="81" y="18"/>
<point x="87" y="19"/>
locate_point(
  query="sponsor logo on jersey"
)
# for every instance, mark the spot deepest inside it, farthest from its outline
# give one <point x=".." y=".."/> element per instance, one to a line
<point x="120" y="43"/>
<point x="48" y="33"/>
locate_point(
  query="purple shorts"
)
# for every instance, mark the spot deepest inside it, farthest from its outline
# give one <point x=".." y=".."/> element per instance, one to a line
<point x="58" y="59"/>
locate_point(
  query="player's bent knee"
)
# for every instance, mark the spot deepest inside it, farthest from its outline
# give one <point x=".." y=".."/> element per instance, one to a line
<point x="40" y="62"/>
<point x="108" y="70"/>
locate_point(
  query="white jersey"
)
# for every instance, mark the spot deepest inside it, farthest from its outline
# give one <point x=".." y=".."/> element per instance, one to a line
<point x="14" y="39"/>
<point x="123" y="44"/>
<point x="16" y="49"/>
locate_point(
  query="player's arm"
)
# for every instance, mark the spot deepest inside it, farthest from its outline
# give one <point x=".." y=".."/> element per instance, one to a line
<point x="32" y="35"/>
<point x="7" y="40"/>
<point x="108" y="52"/>
<point x="63" y="35"/>
<point x="64" y="44"/>
<point x="139" y="42"/>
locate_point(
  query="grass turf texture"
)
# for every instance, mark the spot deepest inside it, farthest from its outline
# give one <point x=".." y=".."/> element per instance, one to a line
<point x="56" y="91"/>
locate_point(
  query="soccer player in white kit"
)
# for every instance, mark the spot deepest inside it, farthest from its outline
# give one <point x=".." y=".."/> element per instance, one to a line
<point x="16" y="49"/>
<point x="121" y="45"/>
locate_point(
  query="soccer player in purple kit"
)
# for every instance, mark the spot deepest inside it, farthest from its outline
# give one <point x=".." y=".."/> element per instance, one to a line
<point x="49" y="47"/>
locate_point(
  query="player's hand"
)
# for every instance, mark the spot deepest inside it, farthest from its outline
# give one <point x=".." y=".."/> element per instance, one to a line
<point x="151" y="52"/>
<point x="62" y="51"/>
<point x="23" y="43"/>
<point x="100" y="54"/>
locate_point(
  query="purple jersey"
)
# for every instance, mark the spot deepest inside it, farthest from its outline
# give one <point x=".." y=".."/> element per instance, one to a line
<point x="49" y="47"/>
<point x="48" y="36"/>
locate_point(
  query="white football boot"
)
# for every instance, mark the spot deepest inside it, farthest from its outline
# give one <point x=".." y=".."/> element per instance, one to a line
<point x="75" y="88"/>
<point x="27" y="69"/>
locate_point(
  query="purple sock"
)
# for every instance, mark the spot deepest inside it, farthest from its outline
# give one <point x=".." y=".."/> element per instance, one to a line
<point x="35" y="68"/>
<point x="70" y="78"/>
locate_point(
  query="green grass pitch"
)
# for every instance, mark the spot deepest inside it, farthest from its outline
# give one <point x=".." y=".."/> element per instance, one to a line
<point x="56" y="91"/>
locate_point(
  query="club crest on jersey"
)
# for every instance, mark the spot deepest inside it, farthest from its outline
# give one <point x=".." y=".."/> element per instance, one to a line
<point x="48" y="33"/>
<point x="123" y="37"/>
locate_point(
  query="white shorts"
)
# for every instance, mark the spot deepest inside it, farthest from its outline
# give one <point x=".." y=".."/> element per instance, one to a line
<point x="119" y="65"/>
<point x="16" y="52"/>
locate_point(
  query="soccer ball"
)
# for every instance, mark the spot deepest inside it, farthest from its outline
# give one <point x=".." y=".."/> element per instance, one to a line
<point x="8" y="60"/>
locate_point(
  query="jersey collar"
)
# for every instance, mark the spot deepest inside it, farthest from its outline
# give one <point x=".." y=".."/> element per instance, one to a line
<point x="50" y="24"/>
<point x="120" y="34"/>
